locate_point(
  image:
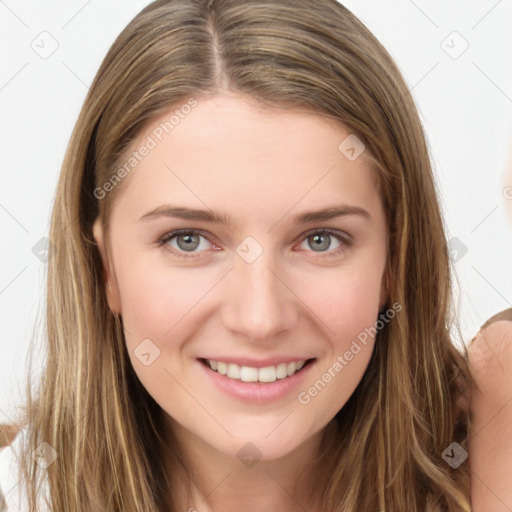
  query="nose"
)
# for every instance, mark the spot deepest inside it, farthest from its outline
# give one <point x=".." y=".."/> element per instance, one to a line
<point x="260" y="303"/>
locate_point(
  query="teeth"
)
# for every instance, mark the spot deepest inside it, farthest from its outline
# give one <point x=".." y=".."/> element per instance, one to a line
<point x="250" y="374"/>
<point x="267" y="374"/>
<point x="281" y="371"/>
<point x="233" y="371"/>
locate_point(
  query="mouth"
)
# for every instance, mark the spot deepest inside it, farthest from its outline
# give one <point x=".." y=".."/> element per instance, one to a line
<point x="267" y="374"/>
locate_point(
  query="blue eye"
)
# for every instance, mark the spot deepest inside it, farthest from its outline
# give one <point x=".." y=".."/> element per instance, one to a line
<point x="188" y="240"/>
<point x="321" y="239"/>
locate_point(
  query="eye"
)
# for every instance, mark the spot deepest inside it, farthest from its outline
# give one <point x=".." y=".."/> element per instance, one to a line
<point x="321" y="240"/>
<point x="186" y="241"/>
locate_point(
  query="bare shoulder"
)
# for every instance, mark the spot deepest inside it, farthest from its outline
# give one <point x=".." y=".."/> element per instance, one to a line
<point x="7" y="434"/>
<point x="490" y="437"/>
<point x="493" y="343"/>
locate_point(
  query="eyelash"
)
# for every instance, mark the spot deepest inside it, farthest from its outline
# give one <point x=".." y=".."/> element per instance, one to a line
<point x="344" y="239"/>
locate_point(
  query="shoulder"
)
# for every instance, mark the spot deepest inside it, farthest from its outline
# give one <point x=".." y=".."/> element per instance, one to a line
<point x="13" y="496"/>
<point x="9" y="471"/>
<point x="490" y="438"/>
<point x="492" y="346"/>
<point x="7" y="434"/>
<point x="490" y="359"/>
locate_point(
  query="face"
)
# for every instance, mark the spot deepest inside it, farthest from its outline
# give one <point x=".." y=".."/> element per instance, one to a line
<point x="269" y="284"/>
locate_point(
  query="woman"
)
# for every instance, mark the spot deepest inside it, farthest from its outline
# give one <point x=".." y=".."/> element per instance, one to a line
<point x="251" y="370"/>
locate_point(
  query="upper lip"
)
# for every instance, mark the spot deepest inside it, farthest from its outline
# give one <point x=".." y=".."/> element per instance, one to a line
<point x="257" y="363"/>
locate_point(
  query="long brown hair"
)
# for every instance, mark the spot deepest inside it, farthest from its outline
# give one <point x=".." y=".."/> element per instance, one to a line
<point x="384" y="451"/>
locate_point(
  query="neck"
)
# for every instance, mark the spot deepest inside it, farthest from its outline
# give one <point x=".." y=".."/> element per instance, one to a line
<point x="218" y="481"/>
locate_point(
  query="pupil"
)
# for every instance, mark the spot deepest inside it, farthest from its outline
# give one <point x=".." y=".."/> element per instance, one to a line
<point x="187" y="238"/>
<point x="317" y="238"/>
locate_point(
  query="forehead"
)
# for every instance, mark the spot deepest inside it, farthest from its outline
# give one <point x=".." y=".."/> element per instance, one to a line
<point x="226" y="152"/>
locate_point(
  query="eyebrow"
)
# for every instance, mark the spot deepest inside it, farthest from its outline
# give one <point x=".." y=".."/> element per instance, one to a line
<point x="209" y="216"/>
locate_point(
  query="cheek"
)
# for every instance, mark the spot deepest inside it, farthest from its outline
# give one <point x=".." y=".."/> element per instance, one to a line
<point x="344" y="302"/>
<point x="154" y="300"/>
<point x="348" y="309"/>
<point x="157" y="305"/>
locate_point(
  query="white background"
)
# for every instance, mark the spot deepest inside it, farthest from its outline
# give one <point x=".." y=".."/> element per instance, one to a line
<point x="465" y="104"/>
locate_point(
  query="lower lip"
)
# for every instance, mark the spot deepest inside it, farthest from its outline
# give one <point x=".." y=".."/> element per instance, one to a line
<point x="258" y="392"/>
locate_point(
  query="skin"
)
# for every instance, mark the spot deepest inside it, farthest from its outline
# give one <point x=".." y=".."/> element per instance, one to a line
<point x="261" y="167"/>
<point x="490" y="441"/>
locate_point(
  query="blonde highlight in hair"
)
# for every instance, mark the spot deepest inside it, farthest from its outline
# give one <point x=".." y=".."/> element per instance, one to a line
<point x="383" y="450"/>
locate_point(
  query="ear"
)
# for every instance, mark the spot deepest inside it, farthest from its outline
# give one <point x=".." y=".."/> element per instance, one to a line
<point x="111" y="288"/>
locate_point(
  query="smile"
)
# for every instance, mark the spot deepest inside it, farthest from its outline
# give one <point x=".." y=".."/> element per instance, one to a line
<point x="252" y="374"/>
